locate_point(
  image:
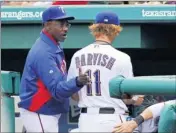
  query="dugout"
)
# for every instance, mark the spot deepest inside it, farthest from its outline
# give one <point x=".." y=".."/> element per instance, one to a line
<point x="148" y="36"/>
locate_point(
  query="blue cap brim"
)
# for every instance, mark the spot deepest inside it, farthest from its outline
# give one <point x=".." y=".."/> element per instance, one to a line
<point x="64" y="17"/>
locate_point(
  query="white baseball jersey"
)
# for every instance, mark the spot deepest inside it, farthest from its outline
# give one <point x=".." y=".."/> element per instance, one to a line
<point x="101" y="62"/>
<point x="156" y="109"/>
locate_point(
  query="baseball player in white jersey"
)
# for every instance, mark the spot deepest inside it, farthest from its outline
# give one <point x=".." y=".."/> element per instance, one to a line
<point x="150" y="113"/>
<point x="102" y="62"/>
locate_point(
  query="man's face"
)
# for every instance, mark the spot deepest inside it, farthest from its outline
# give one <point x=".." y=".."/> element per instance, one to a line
<point x="59" y="29"/>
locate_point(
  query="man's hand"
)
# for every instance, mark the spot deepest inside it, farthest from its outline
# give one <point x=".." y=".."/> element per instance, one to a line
<point x="83" y="79"/>
<point x="126" y="127"/>
<point x="139" y="100"/>
<point x="135" y="100"/>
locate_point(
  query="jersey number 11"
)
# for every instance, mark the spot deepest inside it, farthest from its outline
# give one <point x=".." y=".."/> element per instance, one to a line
<point x="97" y="82"/>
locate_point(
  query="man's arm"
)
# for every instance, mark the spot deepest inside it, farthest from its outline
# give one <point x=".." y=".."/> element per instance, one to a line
<point x="129" y="126"/>
<point x="52" y="77"/>
<point x="75" y="97"/>
<point x="149" y="113"/>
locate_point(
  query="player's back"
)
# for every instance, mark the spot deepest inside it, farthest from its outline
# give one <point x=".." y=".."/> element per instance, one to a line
<point x="101" y="63"/>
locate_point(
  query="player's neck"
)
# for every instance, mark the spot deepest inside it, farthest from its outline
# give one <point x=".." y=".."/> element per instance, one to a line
<point x="103" y="39"/>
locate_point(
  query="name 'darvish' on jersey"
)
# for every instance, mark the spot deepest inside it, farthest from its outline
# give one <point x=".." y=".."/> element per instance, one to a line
<point x="95" y="59"/>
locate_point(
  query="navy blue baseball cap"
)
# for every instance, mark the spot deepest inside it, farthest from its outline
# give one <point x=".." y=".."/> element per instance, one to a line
<point x="55" y="13"/>
<point x="107" y="17"/>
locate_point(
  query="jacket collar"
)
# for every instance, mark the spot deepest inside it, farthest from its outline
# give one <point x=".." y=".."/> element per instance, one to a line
<point x="46" y="37"/>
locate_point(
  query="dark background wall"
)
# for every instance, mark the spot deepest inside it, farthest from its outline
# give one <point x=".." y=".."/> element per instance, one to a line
<point x="145" y="61"/>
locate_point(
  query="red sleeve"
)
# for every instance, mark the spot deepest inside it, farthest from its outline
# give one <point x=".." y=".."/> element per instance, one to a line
<point x="70" y="3"/>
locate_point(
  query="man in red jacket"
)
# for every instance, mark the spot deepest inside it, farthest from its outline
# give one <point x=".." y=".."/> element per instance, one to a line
<point x="44" y="89"/>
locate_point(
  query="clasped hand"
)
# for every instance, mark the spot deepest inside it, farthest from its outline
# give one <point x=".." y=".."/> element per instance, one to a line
<point x="83" y="78"/>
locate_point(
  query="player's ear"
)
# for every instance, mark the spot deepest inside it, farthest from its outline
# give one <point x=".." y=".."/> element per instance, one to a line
<point x="47" y="25"/>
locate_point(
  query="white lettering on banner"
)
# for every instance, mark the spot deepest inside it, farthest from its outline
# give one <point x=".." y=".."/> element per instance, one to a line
<point x="21" y="14"/>
<point x="158" y="13"/>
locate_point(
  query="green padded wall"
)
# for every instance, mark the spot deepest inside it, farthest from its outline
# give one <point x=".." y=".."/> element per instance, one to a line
<point x="23" y="36"/>
<point x="10" y="82"/>
<point x="7" y="114"/>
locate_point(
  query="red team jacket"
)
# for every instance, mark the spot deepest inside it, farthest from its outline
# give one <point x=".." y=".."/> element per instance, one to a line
<point x="43" y="87"/>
